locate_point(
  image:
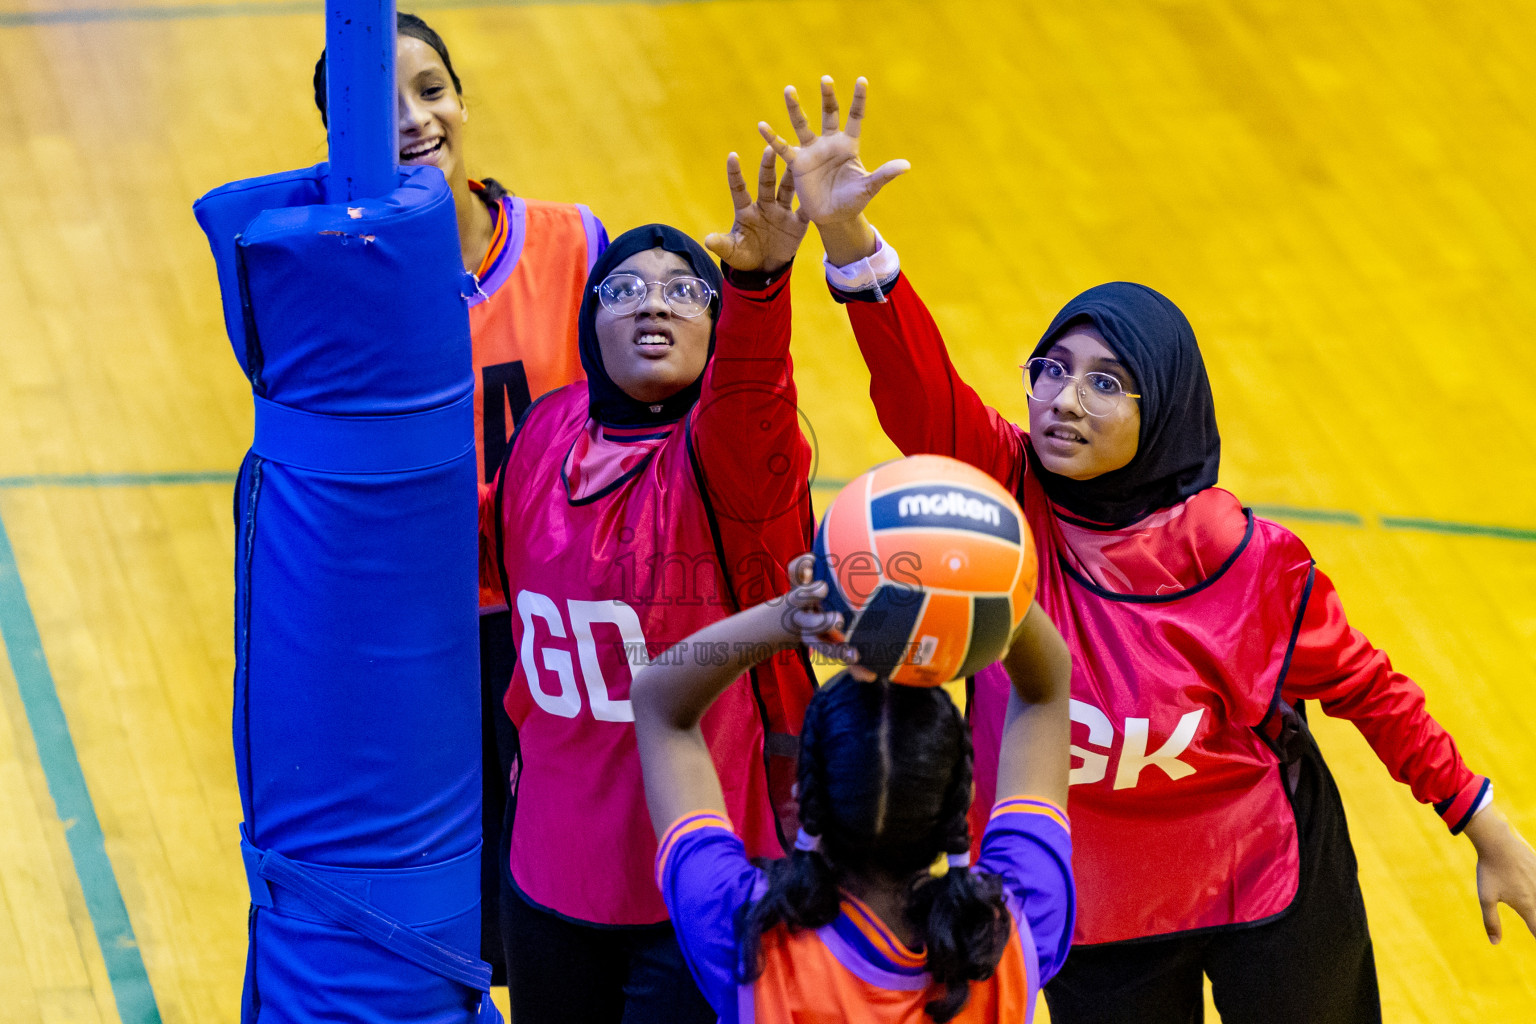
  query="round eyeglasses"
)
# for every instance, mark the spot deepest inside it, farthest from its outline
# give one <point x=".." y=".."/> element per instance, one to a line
<point x="622" y="294"/>
<point x="1099" y="393"/>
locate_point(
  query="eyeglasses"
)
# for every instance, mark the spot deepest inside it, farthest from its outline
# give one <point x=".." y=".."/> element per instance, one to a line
<point x="622" y="294"/>
<point x="1099" y="393"/>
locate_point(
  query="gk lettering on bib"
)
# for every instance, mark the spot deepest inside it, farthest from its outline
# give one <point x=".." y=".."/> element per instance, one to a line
<point x="1180" y="816"/>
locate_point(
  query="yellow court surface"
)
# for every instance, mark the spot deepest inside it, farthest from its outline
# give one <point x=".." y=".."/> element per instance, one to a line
<point x="1338" y="194"/>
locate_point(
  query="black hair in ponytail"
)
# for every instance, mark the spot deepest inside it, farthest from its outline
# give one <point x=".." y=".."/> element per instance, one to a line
<point x="961" y="913"/>
<point x="885" y="784"/>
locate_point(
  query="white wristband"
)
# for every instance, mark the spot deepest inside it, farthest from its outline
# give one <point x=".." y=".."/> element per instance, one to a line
<point x="875" y="272"/>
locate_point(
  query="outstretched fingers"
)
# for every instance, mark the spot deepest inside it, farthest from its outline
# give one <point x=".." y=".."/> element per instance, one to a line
<point x="724" y="244"/>
<point x="856" y="108"/>
<point x="776" y="142"/>
<point x="767" y="182"/>
<point x="786" y="196"/>
<point x="1515" y="893"/>
<point x="740" y="198"/>
<point x="1506" y="872"/>
<point x="797" y="118"/>
<point x="1491" y="923"/>
<point x="884" y="174"/>
<point x="829" y="112"/>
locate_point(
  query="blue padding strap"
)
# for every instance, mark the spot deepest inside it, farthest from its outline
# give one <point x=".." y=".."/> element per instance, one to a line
<point x="364" y="444"/>
<point x="278" y="883"/>
<point x="261" y="892"/>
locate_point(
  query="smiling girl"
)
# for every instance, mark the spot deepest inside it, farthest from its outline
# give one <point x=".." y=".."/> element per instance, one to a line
<point x="1209" y="837"/>
<point x="530" y="260"/>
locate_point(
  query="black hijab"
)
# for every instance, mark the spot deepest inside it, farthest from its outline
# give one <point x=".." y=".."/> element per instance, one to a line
<point x="1179" y="450"/>
<point x="608" y="402"/>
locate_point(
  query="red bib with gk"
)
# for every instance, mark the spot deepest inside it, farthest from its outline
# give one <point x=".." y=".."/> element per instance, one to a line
<point x="1180" y="815"/>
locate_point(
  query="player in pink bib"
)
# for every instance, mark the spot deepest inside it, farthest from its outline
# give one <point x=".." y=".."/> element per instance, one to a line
<point x="661" y="494"/>
<point x="877" y="917"/>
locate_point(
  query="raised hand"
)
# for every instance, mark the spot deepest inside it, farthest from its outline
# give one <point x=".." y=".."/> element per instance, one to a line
<point x="767" y="232"/>
<point x="833" y="184"/>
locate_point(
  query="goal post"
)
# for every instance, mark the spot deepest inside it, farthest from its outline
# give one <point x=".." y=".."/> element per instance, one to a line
<point x="360" y="98"/>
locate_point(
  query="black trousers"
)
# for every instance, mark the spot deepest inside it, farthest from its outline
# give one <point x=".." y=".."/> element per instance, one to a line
<point x="498" y="752"/>
<point x="1312" y="965"/>
<point x="560" y="971"/>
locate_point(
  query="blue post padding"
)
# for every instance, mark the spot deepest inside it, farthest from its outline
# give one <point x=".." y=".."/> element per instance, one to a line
<point x="378" y="904"/>
<point x="224" y="213"/>
<point x="363" y="444"/>
<point x="356" y="712"/>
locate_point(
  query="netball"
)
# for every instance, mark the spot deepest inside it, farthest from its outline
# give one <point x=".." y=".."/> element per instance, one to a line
<point x="930" y="564"/>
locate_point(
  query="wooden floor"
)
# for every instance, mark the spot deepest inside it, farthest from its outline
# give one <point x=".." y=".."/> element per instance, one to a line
<point x="1339" y="195"/>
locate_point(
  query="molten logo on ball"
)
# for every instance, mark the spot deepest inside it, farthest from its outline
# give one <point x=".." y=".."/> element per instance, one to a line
<point x="955" y="503"/>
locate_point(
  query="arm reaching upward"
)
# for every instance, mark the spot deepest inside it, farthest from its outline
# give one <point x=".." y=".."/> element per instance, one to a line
<point x="671" y="695"/>
<point x="1034" y="760"/>
<point x="753" y="462"/>
<point x="923" y="405"/>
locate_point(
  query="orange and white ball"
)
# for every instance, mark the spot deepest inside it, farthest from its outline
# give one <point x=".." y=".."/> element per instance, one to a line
<point x="931" y="565"/>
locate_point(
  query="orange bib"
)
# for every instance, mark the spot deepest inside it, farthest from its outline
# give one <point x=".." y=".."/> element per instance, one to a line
<point x="522" y="321"/>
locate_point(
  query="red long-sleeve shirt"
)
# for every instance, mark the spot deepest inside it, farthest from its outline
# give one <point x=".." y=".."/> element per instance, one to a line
<point x="925" y="407"/>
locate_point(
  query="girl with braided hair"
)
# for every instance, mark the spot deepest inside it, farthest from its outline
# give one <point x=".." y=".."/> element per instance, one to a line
<point x="876" y="916"/>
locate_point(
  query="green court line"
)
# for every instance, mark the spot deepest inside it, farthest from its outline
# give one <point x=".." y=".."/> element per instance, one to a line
<point x="1458" y="529"/>
<point x="1311" y="515"/>
<point x="116" y="479"/>
<point x="185" y="12"/>
<point x="1308" y="515"/>
<point x="71" y="799"/>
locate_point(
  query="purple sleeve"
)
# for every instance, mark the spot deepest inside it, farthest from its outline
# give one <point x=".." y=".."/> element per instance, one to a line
<point x="705" y="879"/>
<point x="1032" y="853"/>
<point x="597" y="235"/>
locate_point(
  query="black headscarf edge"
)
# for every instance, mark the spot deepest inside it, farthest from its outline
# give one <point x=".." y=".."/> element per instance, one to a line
<point x="1178" y="448"/>
<point x="607" y="402"/>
